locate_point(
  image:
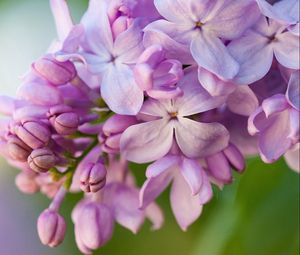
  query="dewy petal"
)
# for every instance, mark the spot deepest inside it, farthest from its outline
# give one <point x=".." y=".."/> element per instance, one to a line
<point x="274" y="141"/>
<point x="200" y="139"/>
<point x="62" y="17"/>
<point x="211" y="54"/>
<point x="293" y="90"/>
<point x="195" y="98"/>
<point x="148" y="141"/>
<point x="125" y="202"/>
<point x="233" y="19"/>
<point x="242" y="101"/>
<point x="186" y="208"/>
<point x="155" y="34"/>
<point x="191" y="171"/>
<point x="286" y="50"/>
<point x="120" y="91"/>
<point x="153" y="187"/>
<point x="98" y="35"/>
<point x="248" y="51"/>
<point x="128" y="45"/>
<point x="161" y="165"/>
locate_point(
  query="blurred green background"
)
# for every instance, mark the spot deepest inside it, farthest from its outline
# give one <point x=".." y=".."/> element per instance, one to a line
<point x="257" y="215"/>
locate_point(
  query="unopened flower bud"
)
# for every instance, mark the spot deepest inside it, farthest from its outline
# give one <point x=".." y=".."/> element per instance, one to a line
<point x="41" y="160"/>
<point x="63" y="119"/>
<point x="17" y="149"/>
<point x="56" y="72"/>
<point x="112" y="131"/>
<point x="51" y="228"/>
<point x="26" y="183"/>
<point x="93" y="177"/>
<point x="235" y="157"/>
<point x="33" y="133"/>
<point x="93" y="226"/>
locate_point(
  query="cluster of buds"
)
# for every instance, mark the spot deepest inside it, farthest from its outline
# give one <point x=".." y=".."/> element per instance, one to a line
<point x="189" y="88"/>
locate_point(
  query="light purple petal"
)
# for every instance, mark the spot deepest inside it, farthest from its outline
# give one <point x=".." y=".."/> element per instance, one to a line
<point x="293" y="90"/>
<point x="248" y="51"/>
<point x="242" y="101"/>
<point x="277" y="132"/>
<point x="274" y="104"/>
<point x="174" y="10"/>
<point x="286" y="50"/>
<point x="292" y="158"/>
<point x="192" y="172"/>
<point x="156" y="33"/>
<point x="186" y="208"/>
<point x="155" y="215"/>
<point x="155" y="108"/>
<point x="125" y="203"/>
<point x="98" y="37"/>
<point x="195" y="99"/>
<point x="233" y="19"/>
<point x="147" y="142"/>
<point x="213" y="84"/>
<point x="206" y="192"/>
<point x="120" y="91"/>
<point x="153" y="187"/>
<point x="128" y="45"/>
<point x="62" y="17"/>
<point x="200" y="139"/>
<point x="211" y="54"/>
<point x="161" y="165"/>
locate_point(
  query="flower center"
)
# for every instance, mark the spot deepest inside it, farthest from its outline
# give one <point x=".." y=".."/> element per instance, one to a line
<point x="198" y="24"/>
<point x="173" y="115"/>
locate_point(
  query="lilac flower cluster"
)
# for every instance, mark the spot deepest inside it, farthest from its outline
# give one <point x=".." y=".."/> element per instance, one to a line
<point x="191" y="87"/>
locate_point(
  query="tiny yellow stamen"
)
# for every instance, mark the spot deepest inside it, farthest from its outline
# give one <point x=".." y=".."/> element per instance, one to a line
<point x="199" y="24"/>
<point x="173" y="114"/>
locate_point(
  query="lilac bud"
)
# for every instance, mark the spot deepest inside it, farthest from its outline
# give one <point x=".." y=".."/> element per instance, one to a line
<point x="34" y="134"/>
<point x="94" y="223"/>
<point x="51" y="228"/>
<point x="112" y="131"/>
<point x="56" y="72"/>
<point x="17" y="149"/>
<point x="63" y="119"/>
<point x="93" y="177"/>
<point x="26" y="183"/>
<point x="219" y="168"/>
<point x="41" y="160"/>
<point x="235" y="157"/>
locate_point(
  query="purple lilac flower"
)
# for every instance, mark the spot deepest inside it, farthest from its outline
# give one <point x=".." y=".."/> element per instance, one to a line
<point x="192" y="87"/>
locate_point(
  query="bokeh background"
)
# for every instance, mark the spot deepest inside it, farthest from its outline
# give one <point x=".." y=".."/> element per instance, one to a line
<point x="257" y="215"/>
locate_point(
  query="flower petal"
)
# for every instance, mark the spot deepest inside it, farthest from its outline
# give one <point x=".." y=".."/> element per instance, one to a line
<point x="242" y="101"/>
<point x="147" y="142"/>
<point x="153" y="187"/>
<point x="186" y="208"/>
<point x="195" y="98"/>
<point x="120" y="91"/>
<point x="192" y="173"/>
<point x="98" y="33"/>
<point x="211" y="54"/>
<point x="206" y="192"/>
<point x="292" y="158"/>
<point x="248" y="51"/>
<point x="293" y="90"/>
<point x="155" y="215"/>
<point x="128" y="45"/>
<point x="200" y="139"/>
<point x="286" y="50"/>
<point x="161" y="165"/>
<point x="278" y="132"/>
<point x="62" y="18"/>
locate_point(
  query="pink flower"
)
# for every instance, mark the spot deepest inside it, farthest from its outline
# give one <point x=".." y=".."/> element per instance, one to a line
<point x="152" y="140"/>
